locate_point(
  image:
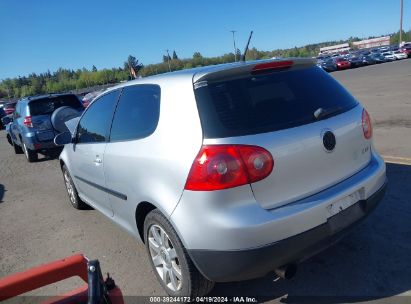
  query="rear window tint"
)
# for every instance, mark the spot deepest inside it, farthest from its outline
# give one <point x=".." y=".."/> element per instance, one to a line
<point x="270" y="102"/>
<point x="49" y="104"/>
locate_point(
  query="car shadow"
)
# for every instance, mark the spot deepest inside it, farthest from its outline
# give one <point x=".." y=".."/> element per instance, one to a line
<point x="372" y="262"/>
<point x="2" y="190"/>
<point x="50" y="154"/>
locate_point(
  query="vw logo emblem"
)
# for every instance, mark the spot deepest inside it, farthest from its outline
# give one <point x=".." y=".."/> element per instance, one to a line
<point x="329" y="141"/>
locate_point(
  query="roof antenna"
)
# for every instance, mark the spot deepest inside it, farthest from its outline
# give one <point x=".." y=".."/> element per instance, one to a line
<point x="246" y="47"/>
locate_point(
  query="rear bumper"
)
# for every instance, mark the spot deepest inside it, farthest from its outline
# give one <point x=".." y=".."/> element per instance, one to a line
<point x="236" y="265"/>
<point x="34" y="144"/>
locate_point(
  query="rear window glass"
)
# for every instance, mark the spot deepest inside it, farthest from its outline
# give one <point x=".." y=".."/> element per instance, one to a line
<point x="49" y="104"/>
<point x="270" y="102"/>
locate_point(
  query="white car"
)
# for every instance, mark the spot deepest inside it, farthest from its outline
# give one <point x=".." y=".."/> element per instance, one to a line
<point x="389" y="56"/>
<point x="399" y="55"/>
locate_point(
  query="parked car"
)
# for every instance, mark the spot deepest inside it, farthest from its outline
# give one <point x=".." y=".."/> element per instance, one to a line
<point x="226" y="172"/>
<point x="378" y="58"/>
<point x="355" y="61"/>
<point x="9" y="107"/>
<point x="328" y="65"/>
<point x="389" y="56"/>
<point x="88" y="98"/>
<point x="2" y="114"/>
<point x="399" y="55"/>
<point x="368" y="60"/>
<point x="406" y="50"/>
<point x="342" y="63"/>
<point x="384" y="49"/>
<point x="37" y="120"/>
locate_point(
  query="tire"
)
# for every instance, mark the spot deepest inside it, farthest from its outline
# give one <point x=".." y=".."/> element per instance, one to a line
<point x="72" y="193"/>
<point x="31" y="155"/>
<point x="172" y="257"/>
<point x="16" y="147"/>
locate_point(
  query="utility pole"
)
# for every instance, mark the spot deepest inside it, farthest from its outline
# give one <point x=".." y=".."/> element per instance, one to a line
<point x="235" y="48"/>
<point x="168" y="60"/>
<point x="401" y="13"/>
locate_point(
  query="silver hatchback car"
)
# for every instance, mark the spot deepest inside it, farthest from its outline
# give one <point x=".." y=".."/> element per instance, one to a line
<point x="226" y="172"/>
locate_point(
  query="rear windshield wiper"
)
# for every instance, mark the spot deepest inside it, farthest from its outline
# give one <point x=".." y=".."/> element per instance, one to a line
<point x="321" y="113"/>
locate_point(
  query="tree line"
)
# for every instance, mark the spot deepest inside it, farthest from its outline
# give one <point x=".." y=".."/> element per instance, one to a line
<point x="64" y="80"/>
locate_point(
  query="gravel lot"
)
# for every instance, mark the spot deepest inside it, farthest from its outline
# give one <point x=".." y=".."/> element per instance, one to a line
<point x="38" y="225"/>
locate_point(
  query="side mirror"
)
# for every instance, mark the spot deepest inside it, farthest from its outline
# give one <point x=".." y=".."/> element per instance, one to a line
<point x="6" y="120"/>
<point x="63" y="139"/>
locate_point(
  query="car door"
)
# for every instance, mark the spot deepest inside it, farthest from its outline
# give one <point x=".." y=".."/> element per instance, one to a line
<point x="87" y="152"/>
<point x="128" y="161"/>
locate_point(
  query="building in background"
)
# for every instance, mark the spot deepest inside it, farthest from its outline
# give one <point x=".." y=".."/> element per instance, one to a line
<point x="333" y="49"/>
<point x="372" y="43"/>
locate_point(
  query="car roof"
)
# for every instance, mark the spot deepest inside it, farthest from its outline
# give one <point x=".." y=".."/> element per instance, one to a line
<point x="199" y="73"/>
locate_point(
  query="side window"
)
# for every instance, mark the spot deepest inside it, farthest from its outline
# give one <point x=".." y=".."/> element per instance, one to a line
<point x="95" y="124"/>
<point x="137" y="113"/>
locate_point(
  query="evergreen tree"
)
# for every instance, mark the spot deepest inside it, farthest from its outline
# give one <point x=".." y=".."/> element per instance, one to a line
<point x="175" y="55"/>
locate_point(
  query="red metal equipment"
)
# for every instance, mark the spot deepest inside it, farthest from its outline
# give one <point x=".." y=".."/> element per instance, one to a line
<point x="97" y="290"/>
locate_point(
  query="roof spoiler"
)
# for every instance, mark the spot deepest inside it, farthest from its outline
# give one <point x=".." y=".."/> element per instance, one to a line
<point x="255" y="68"/>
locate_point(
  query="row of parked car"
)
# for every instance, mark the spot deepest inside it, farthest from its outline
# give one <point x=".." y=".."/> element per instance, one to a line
<point x="355" y="59"/>
<point x="8" y="108"/>
<point x="31" y="123"/>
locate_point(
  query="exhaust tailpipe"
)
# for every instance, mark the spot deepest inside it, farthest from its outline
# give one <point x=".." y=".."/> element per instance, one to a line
<point x="287" y="271"/>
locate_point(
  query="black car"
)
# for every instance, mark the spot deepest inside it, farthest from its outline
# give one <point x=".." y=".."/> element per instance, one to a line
<point x="368" y="60"/>
<point x="328" y="65"/>
<point x="356" y="61"/>
<point x="378" y="57"/>
<point x="2" y="114"/>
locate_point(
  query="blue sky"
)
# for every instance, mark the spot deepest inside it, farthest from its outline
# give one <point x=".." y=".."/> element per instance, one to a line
<point x="37" y="35"/>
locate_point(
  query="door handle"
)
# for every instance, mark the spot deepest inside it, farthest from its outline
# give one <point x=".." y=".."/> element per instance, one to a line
<point x="98" y="160"/>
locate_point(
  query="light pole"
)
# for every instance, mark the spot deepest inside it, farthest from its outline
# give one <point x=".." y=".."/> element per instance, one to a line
<point x="401" y="10"/>
<point x="235" y="48"/>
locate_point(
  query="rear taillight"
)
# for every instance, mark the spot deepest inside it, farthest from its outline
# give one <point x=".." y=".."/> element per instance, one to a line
<point x="27" y="122"/>
<point x="219" y="167"/>
<point x="366" y="124"/>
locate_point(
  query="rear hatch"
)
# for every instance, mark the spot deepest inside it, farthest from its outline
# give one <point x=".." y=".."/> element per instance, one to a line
<point x="287" y="111"/>
<point x="41" y="110"/>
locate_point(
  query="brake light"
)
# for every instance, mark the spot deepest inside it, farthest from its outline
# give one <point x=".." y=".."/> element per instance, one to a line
<point x="273" y="65"/>
<point x="219" y="167"/>
<point x="366" y="124"/>
<point x="28" y="122"/>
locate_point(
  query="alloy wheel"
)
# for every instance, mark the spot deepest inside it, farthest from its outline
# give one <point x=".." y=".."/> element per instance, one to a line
<point x="70" y="189"/>
<point x="165" y="258"/>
